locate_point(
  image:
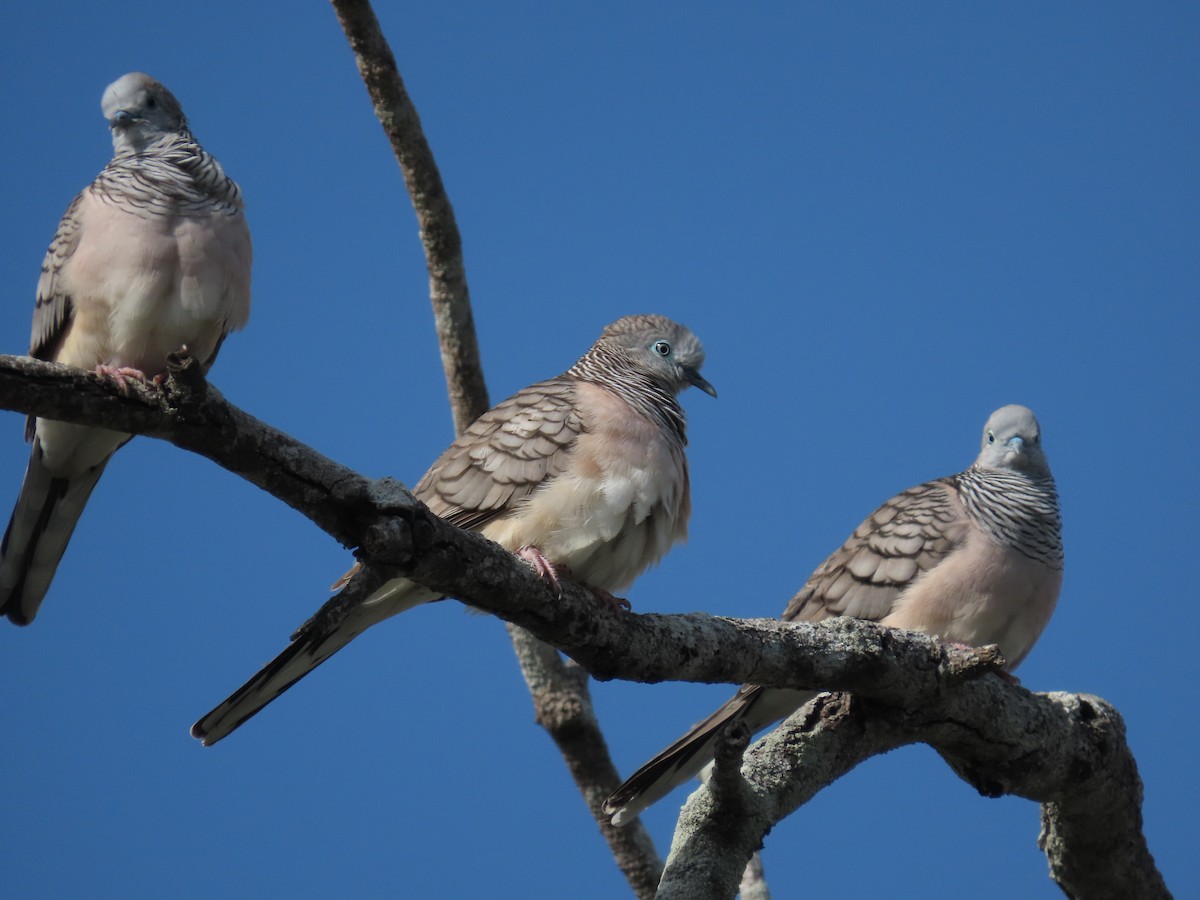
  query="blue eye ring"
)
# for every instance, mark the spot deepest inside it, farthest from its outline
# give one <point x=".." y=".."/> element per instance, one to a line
<point x="991" y="437"/>
<point x="662" y="348"/>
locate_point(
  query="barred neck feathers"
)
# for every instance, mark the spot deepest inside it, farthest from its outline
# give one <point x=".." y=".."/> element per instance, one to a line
<point x="1017" y="510"/>
<point x="612" y="367"/>
<point x="171" y="175"/>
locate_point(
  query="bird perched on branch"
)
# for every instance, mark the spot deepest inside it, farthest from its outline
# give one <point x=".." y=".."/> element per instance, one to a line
<point x="152" y="257"/>
<point x="975" y="558"/>
<point x="585" y="473"/>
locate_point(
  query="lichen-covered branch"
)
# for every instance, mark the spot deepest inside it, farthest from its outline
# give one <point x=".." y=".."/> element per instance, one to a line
<point x="1068" y="752"/>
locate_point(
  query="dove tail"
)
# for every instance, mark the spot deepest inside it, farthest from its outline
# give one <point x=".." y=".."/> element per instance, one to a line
<point x="334" y="626"/>
<point x="307" y="651"/>
<point x="42" y="523"/>
<point x="687" y="757"/>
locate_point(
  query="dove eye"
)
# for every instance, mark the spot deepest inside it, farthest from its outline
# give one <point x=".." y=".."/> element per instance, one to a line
<point x="662" y="348"/>
<point x="151" y="102"/>
<point x="991" y="438"/>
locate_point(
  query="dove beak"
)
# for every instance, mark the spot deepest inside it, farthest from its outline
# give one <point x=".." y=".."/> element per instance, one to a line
<point x="698" y="380"/>
<point x="122" y="118"/>
<point x="1014" y="449"/>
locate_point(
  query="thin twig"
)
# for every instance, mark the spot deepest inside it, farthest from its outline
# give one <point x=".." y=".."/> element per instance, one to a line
<point x="439" y="232"/>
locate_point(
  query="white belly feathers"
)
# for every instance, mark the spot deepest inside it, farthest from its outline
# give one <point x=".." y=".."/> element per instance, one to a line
<point x="624" y="504"/>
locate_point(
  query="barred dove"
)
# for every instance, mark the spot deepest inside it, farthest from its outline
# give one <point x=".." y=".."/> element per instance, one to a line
<point x="152" y="256"/>
<point x="975" y="558"/>
<point x="584" y="472"/>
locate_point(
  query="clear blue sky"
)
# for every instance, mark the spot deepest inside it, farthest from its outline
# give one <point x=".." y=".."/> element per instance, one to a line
<point x="884" y="220"/>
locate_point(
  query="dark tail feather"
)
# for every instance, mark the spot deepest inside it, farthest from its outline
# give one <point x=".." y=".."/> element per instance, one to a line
<point x="335" y="625"/>
<point x="684" y="759"/>
<point x="307" y="651"/>
<point x="43" y="520"/>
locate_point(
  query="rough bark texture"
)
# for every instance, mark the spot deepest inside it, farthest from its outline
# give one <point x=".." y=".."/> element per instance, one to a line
<point x="1065" y="751"/>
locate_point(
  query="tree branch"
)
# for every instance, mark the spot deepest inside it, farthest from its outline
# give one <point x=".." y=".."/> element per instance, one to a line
<point x="397" y="534"/>
<point x="193" y="415"/>
<point x="563" y="706"/>
<point x="1066" y="751"/>
<point x="552" y="684"/>
<point x="439" y="232"/>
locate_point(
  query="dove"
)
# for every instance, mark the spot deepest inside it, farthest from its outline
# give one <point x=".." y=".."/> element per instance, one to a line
<point x="152" y="257"/>
<point x="974" y="558"/>
<point x="584" y="473"/>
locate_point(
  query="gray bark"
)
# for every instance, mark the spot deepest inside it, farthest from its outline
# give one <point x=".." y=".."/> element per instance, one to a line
<point x="1065" y="751"/>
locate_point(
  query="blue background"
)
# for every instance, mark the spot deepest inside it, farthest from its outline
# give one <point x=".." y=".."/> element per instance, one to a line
<point x="884" y="220"/>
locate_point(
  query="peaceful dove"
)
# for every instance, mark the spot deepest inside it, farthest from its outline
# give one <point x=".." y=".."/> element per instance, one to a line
<point x="975" y="558"/>
<point x="151" y="257"/>
<point x="585" y="472"/>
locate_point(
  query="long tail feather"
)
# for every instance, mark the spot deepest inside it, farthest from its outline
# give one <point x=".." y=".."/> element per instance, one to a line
<point x="43" y="520"/>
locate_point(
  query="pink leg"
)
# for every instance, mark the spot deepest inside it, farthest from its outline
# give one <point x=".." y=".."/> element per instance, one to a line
<point x="551" y="572"/>
<point x="541" y="565"/>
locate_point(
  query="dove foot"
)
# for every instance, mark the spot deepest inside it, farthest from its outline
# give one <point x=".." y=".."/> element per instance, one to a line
<point x="542" y="566"/>
<point x="552" y="572"/>
<point x="611" y="599"/>
<point x="121" y="375"/>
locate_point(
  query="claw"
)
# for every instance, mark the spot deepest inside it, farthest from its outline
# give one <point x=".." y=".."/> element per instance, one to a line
<point x="612" y="600"/>
<point x="120" y="374"/>
<point x="552" y="571"/>
<point x="544" y="568"/>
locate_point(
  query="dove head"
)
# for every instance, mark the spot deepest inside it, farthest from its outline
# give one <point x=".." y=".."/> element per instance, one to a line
<point x="655" y="347"/>
<point x="140" y="110"/>
<point x="1012" y="439"/>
